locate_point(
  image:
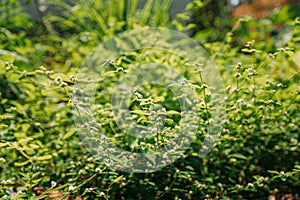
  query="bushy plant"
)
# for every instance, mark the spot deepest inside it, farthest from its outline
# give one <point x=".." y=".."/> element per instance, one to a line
<point x="41" y="156"/>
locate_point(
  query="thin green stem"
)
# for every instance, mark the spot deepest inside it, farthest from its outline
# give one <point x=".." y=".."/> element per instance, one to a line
<point x="125" y="10"/>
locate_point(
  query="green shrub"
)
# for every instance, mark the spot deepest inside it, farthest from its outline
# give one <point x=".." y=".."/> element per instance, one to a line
<point x="257" y="155"/>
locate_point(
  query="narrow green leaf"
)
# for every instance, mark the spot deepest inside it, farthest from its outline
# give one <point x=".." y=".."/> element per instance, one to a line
<point x="273" y="172"/>
<point x="3" y="145"/>
<point x="25" y="140"/>
<point x="69" y="133"/>
<point x="46" y="157"/>
<point x="173" y="112"/>
<point x="118" y="179"/>
<point x="21" y="164"/>
<point x="237" y="155"/>
<point x="245" y="50"/>
<point x="139" y="112"/>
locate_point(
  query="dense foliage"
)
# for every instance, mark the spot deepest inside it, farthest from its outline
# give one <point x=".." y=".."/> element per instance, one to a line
<point x="42" y="157"/>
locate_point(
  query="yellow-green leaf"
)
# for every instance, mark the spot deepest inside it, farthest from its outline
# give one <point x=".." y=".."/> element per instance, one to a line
<point x="3" y="144"/>
<point x="238" y="156"/>
<point x="25" y="140"/>
<point x="46" y="157"/>
<point x="69" y="133"/>
<point x="139" y="112"/>
<point x="173" y="112"/>
<point x="34" y="146"/>
<point x="21" y="164"/>
<point x="117" y="179"/>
